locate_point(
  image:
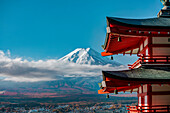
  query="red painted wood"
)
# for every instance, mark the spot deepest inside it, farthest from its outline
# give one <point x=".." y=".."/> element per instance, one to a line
<point x="118" y="27"/>
<point x="149" y="109"/>
<point x="149" y="46"/>
<point x="149" y="99"/>
<point x="115" y="47"/>
<point x="139" y="32"/>
<point x="133" y="39"/>
<point x="149" y="93"/>
<point x="161" y="93"/>
<point x="119" y="81"/>
<point x="160" y="45"/>
<point x="106" y="54"/>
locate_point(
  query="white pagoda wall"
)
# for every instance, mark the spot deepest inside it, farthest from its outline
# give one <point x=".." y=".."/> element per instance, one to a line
<point x="163" y="99"/>
<point x="143" y="45"/>
<point x="156" y="95"/>
<point x="161" y="50"/>
<point x="143" y="100"/>
<point x="160" y="40"/>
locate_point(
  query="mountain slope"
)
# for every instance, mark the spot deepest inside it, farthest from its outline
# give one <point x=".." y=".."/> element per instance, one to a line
<point x="87" y="56"/>
<point x="69" y="79"/>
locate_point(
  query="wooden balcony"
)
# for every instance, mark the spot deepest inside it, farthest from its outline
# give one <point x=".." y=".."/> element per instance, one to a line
<point x="149" y="109"/>
<point x="151" y="61"/>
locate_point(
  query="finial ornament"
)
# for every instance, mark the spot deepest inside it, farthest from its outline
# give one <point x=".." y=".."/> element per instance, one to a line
<point x="165" y="11"/>
<point x="165" y="2"/>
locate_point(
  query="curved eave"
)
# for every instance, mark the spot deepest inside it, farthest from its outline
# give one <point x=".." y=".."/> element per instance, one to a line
<point x="144" y="80"/>
<point x="153" y="23"/>
<point x="106" y="41"/>
<point x="122" y="80"/>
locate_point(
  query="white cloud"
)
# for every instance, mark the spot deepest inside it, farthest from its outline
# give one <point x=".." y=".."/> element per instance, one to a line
<point x="24" y="79"/>
<point x="2" y="92"/>
<point x="22" y="70"/>
<point x="8" y="53"/>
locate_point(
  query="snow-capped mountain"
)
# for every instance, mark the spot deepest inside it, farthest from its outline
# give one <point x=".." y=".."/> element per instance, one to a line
<point x="87" y="56"/>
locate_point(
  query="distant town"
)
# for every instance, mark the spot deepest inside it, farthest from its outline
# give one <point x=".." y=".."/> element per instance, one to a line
<point x="72" y="107"/>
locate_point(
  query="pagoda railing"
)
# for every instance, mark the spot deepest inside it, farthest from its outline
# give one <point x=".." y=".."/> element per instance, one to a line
<point x="151" y="60"/>
<point x="149" y="109"/>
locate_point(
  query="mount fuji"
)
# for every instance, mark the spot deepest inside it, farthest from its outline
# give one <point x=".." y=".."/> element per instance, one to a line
<point x="77" y="73"/>
<point x="87" y="56"/>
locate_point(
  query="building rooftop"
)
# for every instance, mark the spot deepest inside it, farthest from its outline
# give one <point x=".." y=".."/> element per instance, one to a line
<point x="142" y="73"/>
<point x="150" y="22"/>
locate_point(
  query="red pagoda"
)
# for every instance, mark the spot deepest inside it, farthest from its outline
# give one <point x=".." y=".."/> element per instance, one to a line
<point x="149" y="76"/>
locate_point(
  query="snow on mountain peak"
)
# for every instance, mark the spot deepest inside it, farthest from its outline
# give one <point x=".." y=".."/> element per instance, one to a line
<point x="87" y="56"/>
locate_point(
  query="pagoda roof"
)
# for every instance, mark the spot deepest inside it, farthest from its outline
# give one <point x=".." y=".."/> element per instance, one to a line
<point x="132" y="32"/>
<point x="150" y="22"/>
<point x="140" y="74"/>
<point x="126" y="80"/>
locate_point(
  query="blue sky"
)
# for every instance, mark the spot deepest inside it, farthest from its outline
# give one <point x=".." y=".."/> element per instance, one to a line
<point x="43" y="29"/>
